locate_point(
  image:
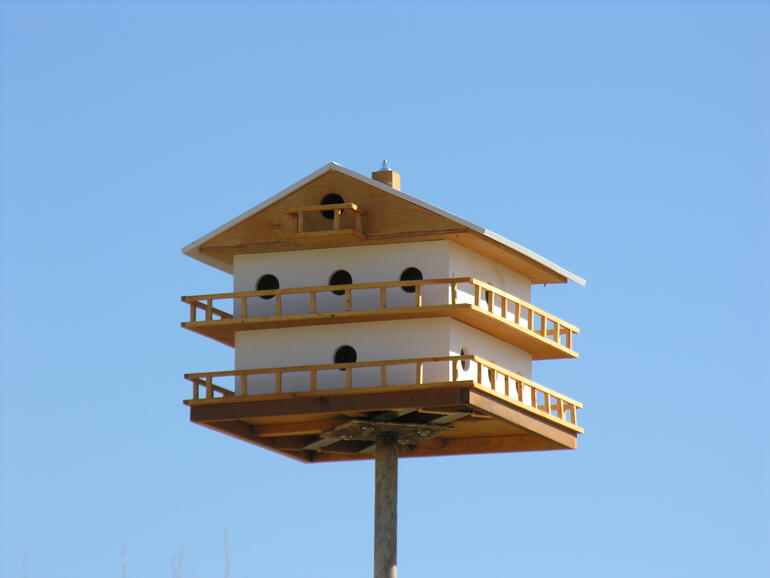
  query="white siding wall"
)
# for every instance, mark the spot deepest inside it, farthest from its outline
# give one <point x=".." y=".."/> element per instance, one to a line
<point x="369" y="264"/>
<point x="316" y="345"/>
<point x="376" y="340"/>
<point x="473" y="341"/>
<point x="477" y="342"/>
<point x="373" y="341"/>
<point x="465" y="263"/>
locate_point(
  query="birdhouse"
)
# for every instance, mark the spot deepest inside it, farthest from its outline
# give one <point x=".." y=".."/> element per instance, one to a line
<point x="357" y="309"/>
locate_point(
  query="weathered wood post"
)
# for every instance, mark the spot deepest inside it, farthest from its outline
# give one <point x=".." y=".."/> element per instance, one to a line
<point x="385" y="504"/>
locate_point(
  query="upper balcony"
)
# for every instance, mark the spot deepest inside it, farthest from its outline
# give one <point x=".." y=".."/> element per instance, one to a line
<point x="336" y="219"/>
<point x="465" y="299"/>
<point x="454" y="404"/>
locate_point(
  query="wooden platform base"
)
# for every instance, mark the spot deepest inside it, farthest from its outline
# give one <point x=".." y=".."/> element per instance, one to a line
<point x="302" y="427"/>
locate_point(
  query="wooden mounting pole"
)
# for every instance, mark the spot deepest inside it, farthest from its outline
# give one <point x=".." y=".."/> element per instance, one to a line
<point x="385" y="504"/>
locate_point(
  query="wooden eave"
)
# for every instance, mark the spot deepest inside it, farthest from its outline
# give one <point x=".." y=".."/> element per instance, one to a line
<point x="390" y="217"/>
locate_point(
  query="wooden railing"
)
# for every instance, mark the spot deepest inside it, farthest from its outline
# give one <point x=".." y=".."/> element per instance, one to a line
<point x="487" y="297"/>
<point x="523" y="313"/>
<point x="515" y="388"/>
<point x="338" y="209"/>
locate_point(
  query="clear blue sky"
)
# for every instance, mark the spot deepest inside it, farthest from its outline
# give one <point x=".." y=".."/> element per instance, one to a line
<point x="626" y="142"/>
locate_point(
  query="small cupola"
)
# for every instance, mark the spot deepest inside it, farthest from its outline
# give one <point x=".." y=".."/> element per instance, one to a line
<point x="387" y="176"/>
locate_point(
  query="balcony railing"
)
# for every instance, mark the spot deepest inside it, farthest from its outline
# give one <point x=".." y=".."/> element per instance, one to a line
<point x="386" y="297"/>
<point x="346" y="218"/>
<point x="374" y="376"/>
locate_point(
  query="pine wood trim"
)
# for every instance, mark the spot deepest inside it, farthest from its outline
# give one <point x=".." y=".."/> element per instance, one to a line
<point x="538" y="323"/>
<point x="330" y="207"/>
<point x="552" y="400"/>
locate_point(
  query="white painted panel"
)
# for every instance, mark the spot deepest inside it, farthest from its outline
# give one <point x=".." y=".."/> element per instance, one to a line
<point x="369" y="264"/>
<point x="316" y="345"/>
<point x="465" y="263"/>
<point x="477" y="342"/>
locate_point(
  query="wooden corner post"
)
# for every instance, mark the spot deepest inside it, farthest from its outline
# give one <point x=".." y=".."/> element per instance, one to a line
<point x="385" y="504"/>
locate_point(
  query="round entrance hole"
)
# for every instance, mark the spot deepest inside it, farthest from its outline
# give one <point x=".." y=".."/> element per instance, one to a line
<point x="410" y="274"/>
<point x="465" y="363"/>
<point x="266" y="283"/>
<point x="331" y="199"/>
<point x="340" y="277"/>
<point x="345" y="354"/>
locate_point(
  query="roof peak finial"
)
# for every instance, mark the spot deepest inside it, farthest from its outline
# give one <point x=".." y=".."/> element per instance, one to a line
<point x="385" y="166"/>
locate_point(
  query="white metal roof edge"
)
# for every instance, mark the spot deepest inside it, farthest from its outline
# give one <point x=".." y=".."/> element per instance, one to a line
<point x="193" y="251"/>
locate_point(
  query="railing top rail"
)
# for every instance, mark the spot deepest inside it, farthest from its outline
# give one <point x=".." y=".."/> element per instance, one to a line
<point x="330" y="366"/>
<point x="324" y="288"/>
<point x="526" y="304"/>
<point x="525" y="380"/>
<point x="325" y="366"/>
<point x="330" y="207"/>
<point x="384" y="284"/>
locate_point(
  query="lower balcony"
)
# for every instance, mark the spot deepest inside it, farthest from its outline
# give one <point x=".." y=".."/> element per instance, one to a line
<point x="478" y="304"/>
<point x="460" y="404"/>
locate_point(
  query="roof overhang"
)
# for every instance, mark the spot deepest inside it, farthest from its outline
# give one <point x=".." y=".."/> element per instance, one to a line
<point x="193" y="249"/>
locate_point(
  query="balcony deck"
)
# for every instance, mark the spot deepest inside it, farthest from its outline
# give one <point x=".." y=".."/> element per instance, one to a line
<point x="481" y="407"/>
<point x="465" y="299"/>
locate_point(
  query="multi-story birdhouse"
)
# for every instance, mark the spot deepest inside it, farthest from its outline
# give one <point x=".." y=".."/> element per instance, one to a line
<point x="356" y="307"/>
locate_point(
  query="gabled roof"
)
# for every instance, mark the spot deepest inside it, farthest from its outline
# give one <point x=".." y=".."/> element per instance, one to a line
<point x="194" y="249"/>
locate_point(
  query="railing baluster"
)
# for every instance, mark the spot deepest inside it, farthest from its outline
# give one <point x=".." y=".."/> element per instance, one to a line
<point x="337" y="213"/>
<point x="510" y="308"/>
<point x="539" y="398"/>
<point x="300" y="221"/>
